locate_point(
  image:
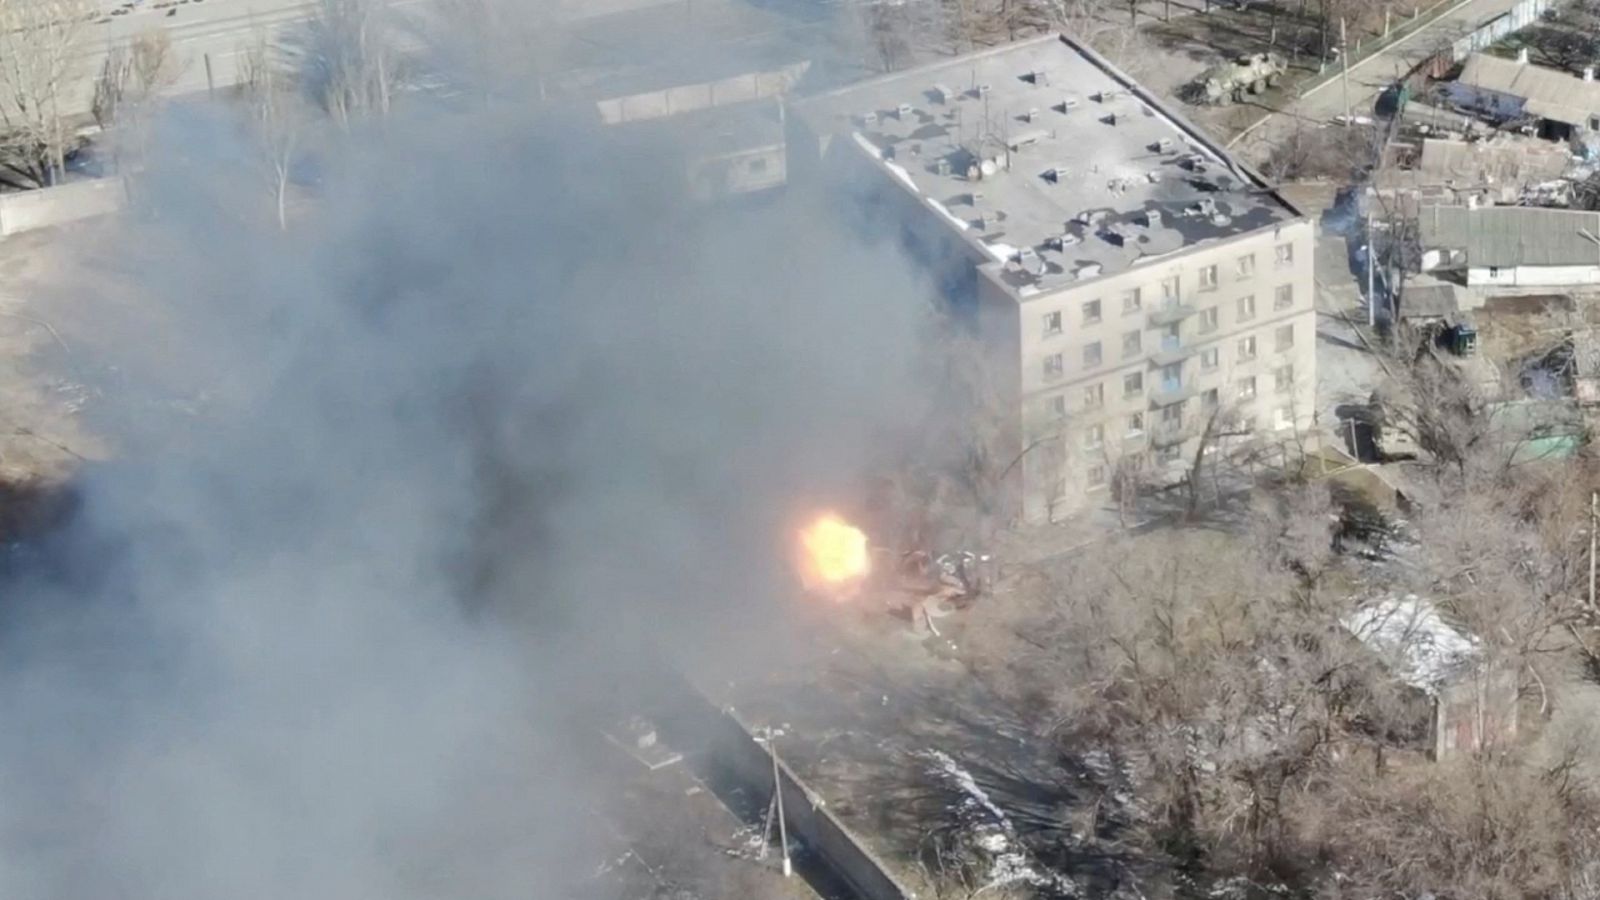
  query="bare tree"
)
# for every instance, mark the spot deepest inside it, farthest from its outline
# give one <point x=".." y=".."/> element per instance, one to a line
<point x="274" y="117"/>
<point x="352" y="66"/>
<point x="125" y="93"/>
<point x="40" y="43"/>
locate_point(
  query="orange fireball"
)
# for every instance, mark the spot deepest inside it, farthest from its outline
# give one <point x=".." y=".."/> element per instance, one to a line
<point x="833" y="553"/>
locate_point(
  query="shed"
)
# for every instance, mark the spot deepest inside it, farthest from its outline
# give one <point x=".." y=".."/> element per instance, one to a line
<point x="1473" y="701"/>
<point x="1515" y="245"/>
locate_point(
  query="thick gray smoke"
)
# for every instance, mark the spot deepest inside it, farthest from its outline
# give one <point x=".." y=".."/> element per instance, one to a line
<point x="500" y="395"/>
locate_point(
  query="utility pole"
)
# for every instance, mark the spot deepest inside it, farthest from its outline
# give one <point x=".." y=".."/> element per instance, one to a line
<point x="777" y="792"/>
<point x="1372" y="293"/>
<point x="1344" y="58"/>
<point x="1594" y="518"/>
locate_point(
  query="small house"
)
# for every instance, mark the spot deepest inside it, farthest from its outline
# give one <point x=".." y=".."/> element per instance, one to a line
<point x="1471" y="702"/>
<point x="1512" y="246"/>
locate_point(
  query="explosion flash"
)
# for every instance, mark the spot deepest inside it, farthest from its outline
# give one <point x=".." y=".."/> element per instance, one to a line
<point x="834" y="554"/>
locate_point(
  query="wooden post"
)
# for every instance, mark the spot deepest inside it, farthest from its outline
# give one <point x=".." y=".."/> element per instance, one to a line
<point x="211" y="84"/>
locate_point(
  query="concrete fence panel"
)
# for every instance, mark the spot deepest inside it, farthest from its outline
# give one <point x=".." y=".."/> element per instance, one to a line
<point x="60" y="205"/>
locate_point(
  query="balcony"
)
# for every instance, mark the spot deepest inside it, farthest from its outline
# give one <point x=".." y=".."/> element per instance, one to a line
<point x="1172" y="350"/>
<point x="1167" y="434"/>
<point x="1171" y="311"/>
<point x="1169" y="393"/>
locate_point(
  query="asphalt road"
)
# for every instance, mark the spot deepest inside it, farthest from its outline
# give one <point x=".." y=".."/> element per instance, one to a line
<point x="1369" y="76"/>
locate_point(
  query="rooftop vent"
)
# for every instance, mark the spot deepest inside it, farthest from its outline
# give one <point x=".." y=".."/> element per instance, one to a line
<point x="1152" y="218"/>
<point x="1221" y="220"/>
<point x="1060" y="242"/>
<point x="1109" y="118"/>
<point x="1087" y="271"/>
<point x="1031" y="114"/>
<point x="981" y="90"/>
<point x="981" y="222"/>
<point x="1162" y="146"/>
<point x="973" y="198"/>
<point x="1194" y="162"/>
<point x="903" y="111"/>
<point x="942" y="94"/>
<point x="869" y="118"/>
<point x="1205" y="206"/>
<point x="1058" y="174"/>
<point x="1153" y="176"/>
<point x="1066" y="105"/>
<point x="1030" y="261"/>
<point x="941" y="166"/>
<point x="1039" y="77"/>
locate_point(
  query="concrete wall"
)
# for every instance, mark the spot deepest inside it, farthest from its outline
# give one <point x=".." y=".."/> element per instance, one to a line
<point x="694" y="719"/>
<point x="1533" y="276"/>
<point x="27" y="210"/>
<point x="1515" y="19"/>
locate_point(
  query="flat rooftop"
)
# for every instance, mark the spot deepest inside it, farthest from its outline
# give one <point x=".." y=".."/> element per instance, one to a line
<point x="1057" y="165"/>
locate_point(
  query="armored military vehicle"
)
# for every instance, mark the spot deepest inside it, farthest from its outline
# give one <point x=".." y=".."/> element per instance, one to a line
<point x="1238" y="78"/>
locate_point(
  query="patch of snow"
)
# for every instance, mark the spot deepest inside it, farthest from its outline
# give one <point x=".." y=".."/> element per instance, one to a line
<point x="951" y="217"/>
<point x="1409" y="633"/>
<point x="867" y="145"/>
<point x="994" y="833"/>
<point x="900" y="172"/>
<point x="1001" y="251"/>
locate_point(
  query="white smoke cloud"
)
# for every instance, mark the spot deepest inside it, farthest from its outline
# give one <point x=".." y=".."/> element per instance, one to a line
<point x="500" y="395"/>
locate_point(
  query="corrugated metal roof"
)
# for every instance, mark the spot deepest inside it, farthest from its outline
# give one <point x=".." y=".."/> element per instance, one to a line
<point x="1513" y="235"/>
<point x="1549" y="93"/>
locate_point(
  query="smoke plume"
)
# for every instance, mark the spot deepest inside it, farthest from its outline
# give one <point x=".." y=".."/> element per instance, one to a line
<point x="393" y="486"/>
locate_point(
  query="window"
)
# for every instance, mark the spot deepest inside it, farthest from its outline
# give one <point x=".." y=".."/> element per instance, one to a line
<point x="1096" y="476"/>
<point x="1172" y="416"/>
<point x="1093" y="437"/>
<point x="1247" y="308"/>
<point x="1247" y="388"/>
<point x="758" y="165"/>
<point x="1091" y="312"/>
<point x="1283" y="254"/>
<point x="1283" y="338"/>
<point x="1283" y="297"/>
<point x="1208" y="320"/>
<point x="1169" y="290"/>
<point x="1133" y="384"/>
<point x="1494" y="271"/>
<point x="1130" y="344"/>
<point x="1594" y="123"/>
<point x="1208" y="359"/>
<point x="1058" y="406"/>
<point x="1208" y="278"/>
<point x="1136" y="425"/>
<point x="1247" y="423"/>
<point x="1282" y="417"/>
<point x="1209" y="398"/>
<point x="1283" y="379"/>
<point x="1246" y="266"/>
<point x="1168" y="453"/>
<point x="1247" y="349"/>
<point x="1091" y="354"/>
<point x="1052" y="367"/>
<point x="1131" y="302"/>
<point x="1052" y="323"/>
<point x="1094" y="396"/>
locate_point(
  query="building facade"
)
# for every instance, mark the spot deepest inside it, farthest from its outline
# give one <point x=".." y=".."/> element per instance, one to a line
<point x="1144" y="297"/>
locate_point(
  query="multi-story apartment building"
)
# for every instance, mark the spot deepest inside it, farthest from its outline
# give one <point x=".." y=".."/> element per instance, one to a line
<point x="1141" y="292"/>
